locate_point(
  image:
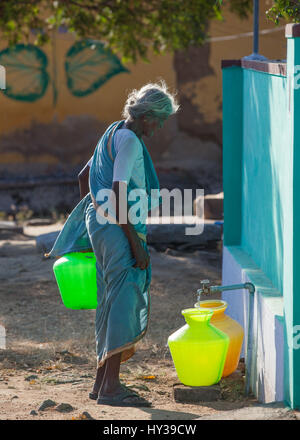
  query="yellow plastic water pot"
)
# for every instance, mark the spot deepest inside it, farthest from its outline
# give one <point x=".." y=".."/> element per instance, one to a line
<point x="198" y="349"/>
<point x="75" y="275"/>
<point x="229" y="326"/>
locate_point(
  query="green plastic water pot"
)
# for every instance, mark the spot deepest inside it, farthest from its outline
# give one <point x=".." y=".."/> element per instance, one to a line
<point x="75" y="275"/>
<point x="198" y="349"/>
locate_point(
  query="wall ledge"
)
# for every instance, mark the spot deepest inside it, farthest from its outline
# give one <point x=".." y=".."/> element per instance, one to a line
<point x="263" y="284"/>
<point x="292" y="30"/>
<point x="273" y="67"/>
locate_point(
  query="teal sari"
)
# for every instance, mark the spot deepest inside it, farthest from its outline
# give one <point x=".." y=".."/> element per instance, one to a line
<point x="123" y="292"/>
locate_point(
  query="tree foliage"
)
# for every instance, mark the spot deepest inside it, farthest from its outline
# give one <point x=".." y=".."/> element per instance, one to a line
<point x="288" y="10"/>
<point x="241" y="7"/>
<point x="128" y="27"/>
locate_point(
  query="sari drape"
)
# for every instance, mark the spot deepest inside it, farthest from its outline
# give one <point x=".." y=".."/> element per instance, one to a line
<point x="123" y="292"/>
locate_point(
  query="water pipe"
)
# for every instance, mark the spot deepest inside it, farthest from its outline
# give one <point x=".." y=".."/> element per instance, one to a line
<point x="255" y="55"/>
<point x="208" y="290"/>
<point x="255" y="26"/>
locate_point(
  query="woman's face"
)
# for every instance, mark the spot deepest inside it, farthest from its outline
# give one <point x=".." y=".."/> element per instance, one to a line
<point x="151" y="125"/>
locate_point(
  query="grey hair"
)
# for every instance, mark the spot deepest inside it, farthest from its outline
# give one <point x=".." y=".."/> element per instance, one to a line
<point x="151" y="100"/>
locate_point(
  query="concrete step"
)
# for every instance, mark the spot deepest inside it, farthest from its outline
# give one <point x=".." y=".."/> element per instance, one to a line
<point x="183" y="230"/>
<point x="209" y="206"/>
<point x="10" y="226"/>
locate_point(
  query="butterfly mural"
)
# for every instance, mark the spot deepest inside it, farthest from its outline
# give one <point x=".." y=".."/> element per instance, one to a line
<point x="88" y="65"/>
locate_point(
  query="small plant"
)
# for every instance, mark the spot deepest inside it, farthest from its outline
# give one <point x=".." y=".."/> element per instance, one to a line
<point x="24" y="214"/>
<point x="58" y="216"/>
<point x="3" y="215"/>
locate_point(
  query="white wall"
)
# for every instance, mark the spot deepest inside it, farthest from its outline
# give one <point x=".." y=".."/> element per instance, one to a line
<point x="267" y="337"/>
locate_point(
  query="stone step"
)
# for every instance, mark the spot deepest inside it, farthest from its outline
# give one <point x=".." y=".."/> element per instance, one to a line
<point x="40" y="222"/>
<point x="10" y="226"/>
<point x="162" y="233"/>
<point x="191" y="231"/>
<point x="209" y="206"/>
<point x="186" y="394"/>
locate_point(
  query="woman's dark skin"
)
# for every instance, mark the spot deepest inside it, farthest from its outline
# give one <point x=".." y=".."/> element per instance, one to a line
<point x="107" y="379"/>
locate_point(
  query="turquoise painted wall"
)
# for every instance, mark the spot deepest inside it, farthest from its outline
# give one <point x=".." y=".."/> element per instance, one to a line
<point x="292" y="258"/>
<point x="232" y="97"/>
<point x="261" y="181"/>
<point x="266" y="159"/>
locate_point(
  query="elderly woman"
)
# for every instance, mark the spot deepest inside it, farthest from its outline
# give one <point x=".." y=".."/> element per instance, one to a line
<point x="120" y="163"/>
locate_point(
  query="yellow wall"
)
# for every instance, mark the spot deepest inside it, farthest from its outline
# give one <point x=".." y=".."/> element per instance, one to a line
<point x="46" y="120"/>
<point x="106" y="103"/>
<point x="195" y="73"/>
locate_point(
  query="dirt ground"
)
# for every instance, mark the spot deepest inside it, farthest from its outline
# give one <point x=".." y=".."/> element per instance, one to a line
<point x="50" y="350"/>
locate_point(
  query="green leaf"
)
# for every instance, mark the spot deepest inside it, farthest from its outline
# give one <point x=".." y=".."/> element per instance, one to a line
<point x="11" y="25"/>
<point x="89" y="65"/>
<point x="26" y="75"/>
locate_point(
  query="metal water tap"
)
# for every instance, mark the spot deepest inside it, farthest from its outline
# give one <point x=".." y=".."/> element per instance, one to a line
<point x="207" y="289"/>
